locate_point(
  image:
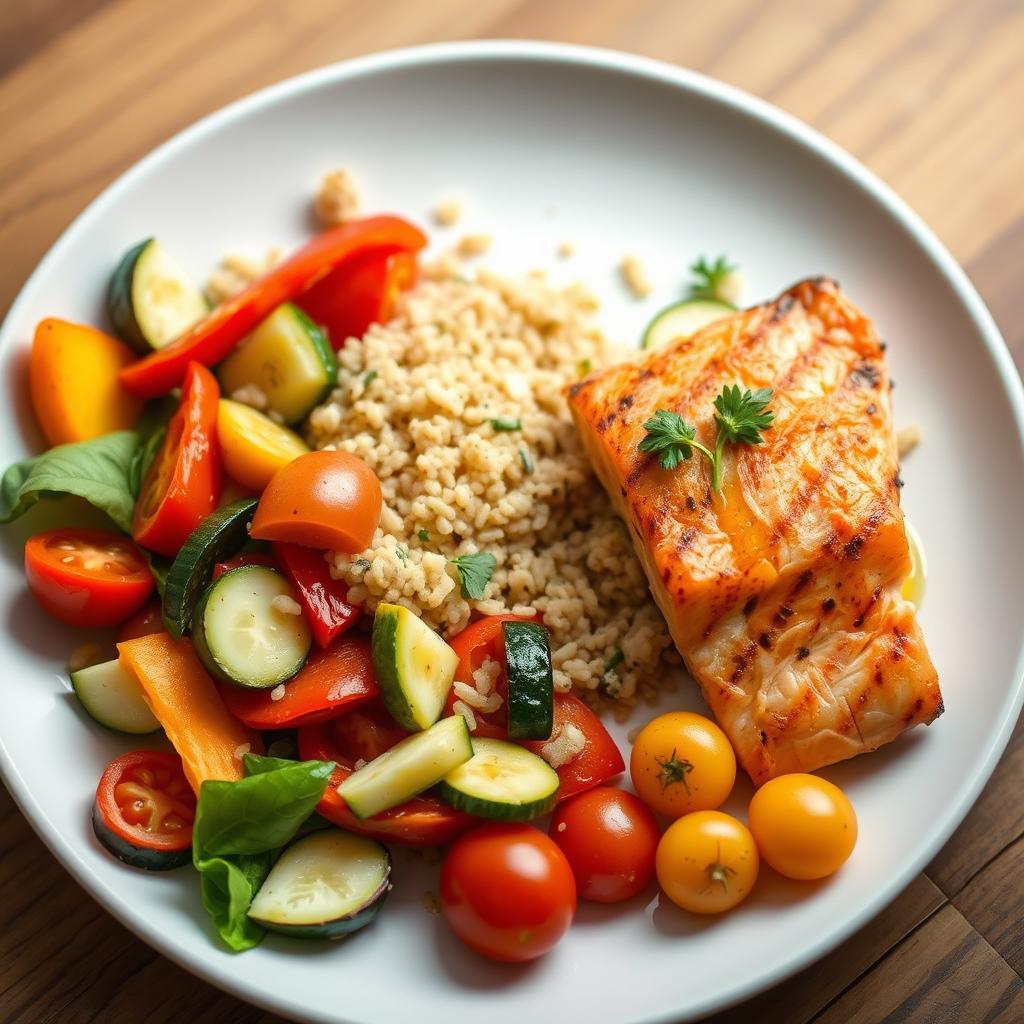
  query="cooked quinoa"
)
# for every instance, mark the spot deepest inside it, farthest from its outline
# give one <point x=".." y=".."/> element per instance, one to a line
<point x="634" y="275"/>
<point x="427" y="401"/>
<point x="338" y="198"/>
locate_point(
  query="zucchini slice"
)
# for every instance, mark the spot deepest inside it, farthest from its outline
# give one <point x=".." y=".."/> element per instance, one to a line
<point x="241" y="634"/>
<point x="324" y="886"/>
<point x="112" y="696"/>
<point x="417" y="763"/>
<point x="682" y="319"/>
<point x="144" y="857"/>
<point x="149" y="300"/>
<point x="414" y="667"/>
<point x="503" y="781"/>
<point x="531" y="686"/>
<point x="220" y="535"/>
<point x="287" y="357"/>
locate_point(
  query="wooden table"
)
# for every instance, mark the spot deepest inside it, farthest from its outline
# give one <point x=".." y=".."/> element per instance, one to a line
<point x="929" y="94"/>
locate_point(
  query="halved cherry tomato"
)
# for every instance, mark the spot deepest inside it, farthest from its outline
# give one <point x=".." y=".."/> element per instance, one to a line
<point x="325" y="499"/>
<point x="599" y="761"/>
<point x="210" y="340"/>
<point x="87" y="577"/>
<point x="482" y="641"/>
<point x="331" y="682"/>
<point x="146" y="621"/>
<point x="323" y="598"/>
<point x="183" y="484"/>
<point x="364" y="734"/>
<point x="609" y="838"/>
<point x="507" y="891"/>
<point x="364" y="292"/>
<point x="236" y="561"/>
<point x="144" y="798"/>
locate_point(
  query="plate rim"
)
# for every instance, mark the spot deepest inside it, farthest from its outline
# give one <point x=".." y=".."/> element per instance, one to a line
<point x="689" y="81"/>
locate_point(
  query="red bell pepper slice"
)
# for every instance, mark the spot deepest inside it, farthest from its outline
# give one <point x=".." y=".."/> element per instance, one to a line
<point x="358" y="294"/>
<point x="183" y="485"/>
<point x="329" y="684"/>
<point x="213" y="338"/>
<point x="323" y="598"/>
<point x="599" y="761"/>
<point x="365" y="733"/>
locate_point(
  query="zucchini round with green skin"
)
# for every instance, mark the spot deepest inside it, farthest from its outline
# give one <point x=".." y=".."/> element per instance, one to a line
<point x="414" y="667"/>
<point x="288" y="358"/>
<point x="149" y="300"/>
<point x="244" y="632"/>
<point x="502" y="781"/>
<point x="137" y="856"/>
<point x="682" y="319"/>
<point x="408" y="768"/>
<point x="531" y="687"/>
<point x="111" y="695"/>
<point x="220" y="535"/>
<point x="324" y="886"/>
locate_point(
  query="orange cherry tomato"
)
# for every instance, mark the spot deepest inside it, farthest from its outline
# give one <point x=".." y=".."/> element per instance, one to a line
<point x="682" y="762"/>
<point x="507" y="891"/>
<point x="324" y="499"/>
<point x="707" y="862"/>
<point x="87" y="577"/>
<point x="805" y="827"/>
<point x="609" y="838"/>
<point x="146" y="621"/>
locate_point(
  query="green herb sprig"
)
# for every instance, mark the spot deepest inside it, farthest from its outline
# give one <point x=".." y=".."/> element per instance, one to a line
<point x="709" y="278"/>
<point x="475" y="572"/>
<point x="741" y="417"/>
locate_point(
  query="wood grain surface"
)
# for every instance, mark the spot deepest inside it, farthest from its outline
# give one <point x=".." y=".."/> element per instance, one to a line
<point x="928" y="93"/>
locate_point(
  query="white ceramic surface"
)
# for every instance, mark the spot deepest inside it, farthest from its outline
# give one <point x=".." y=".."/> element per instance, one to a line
<point x="614" y="153"/>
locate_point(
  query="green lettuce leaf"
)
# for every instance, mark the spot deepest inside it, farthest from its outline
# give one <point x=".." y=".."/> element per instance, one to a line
<point x="228" y="886"/>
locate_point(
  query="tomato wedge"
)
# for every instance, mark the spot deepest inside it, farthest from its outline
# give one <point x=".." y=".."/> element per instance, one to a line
<point x="599" y="761"/>
<point x="364" y="292"/>
<point x="323" y="598"/>
<point x="144" y="809"/>
<point x="210" y="340"/>
<point x="364" y="734"/>
<point x="331" y="682"/>
<point x="183" y="484"/>
<point x="86" y="577"/>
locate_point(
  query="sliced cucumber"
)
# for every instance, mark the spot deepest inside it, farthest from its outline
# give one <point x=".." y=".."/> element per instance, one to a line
<point x="531" y="686"/>
<point x="408" y="768"/>
<point x="414" y="667"/>
<point x="112" y="696"/>
<point x="502" y="780"/>
<point x="149" y="300"/>
<point x="220" y="535"/>
<point x="242" y="637"/>
<point x="324" y="886"/>
<point x="682" y="319"/>
<point x="287" y="357"/>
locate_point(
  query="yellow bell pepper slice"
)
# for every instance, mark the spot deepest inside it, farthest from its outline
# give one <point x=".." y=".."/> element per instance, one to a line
<point x="253" y="446"/>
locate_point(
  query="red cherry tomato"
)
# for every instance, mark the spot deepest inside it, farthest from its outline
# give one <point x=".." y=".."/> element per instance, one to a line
<point x="146" y="621"/>
<point x="610" y="839"/>
<point x="87" y="577"/>
<point x="144" y="798"/>
<point x="507" y="891"/>
<point x="183" y="484"/>
<point x="363" y="734"/>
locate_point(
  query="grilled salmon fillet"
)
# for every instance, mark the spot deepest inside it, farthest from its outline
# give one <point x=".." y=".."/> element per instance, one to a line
<point x="782" y="592"/>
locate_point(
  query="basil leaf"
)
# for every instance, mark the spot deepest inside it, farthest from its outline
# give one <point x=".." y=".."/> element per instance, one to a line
<point x="228" y="886"/>
<point x="98" y="470"/>
<point x="152" y="429"/>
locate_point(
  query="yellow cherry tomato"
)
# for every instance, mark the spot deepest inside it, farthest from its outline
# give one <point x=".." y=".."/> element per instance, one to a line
<point x="707" y="862"/>
<point x="253" y="446"/>
<point x="682" y="762"/>
<point x="805" y="827"/>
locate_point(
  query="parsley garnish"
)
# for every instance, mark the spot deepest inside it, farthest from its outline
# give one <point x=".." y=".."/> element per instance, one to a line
<point x="506" y="423"/>
<point x="424" y="535"/>
<point x="403" y="555"/>
<point x="615" y="659"/>
<point x="585" y="367"/>
<point x="526" y="460"/>
<point x="475" y="572"/>
<point x="361" y="563"/>
<point x="709" y="278"/>
<point x="369" y="377"/>
<point x="741" y="416"/>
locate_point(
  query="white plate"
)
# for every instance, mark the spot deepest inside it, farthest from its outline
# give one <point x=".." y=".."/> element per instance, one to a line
<point x="616" y="154"/>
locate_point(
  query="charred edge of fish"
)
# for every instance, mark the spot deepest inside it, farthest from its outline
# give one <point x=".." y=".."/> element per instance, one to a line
<point x="625" y="401"/>
<point x="763" y="737"/>
<point x="871" y="409"/>
<point x="742" y="660"/>
<point x="803" y="652"/>
<point x="897" y="480"/>
<point x="828" y="604"/>
<point x="914" y="711"/>
<point x="691" y="505"/>
<point x="765" y="640"/>
<point x="882" y="345"/>
<point x="605" y="422"/>
<point x="879" y="681"/>
<point x="688" y="536"/>
<point x="749" y="607"/>
<point x="802" y="580"/>
<point x="899" y="643"/>
<point x="783" y="613"/>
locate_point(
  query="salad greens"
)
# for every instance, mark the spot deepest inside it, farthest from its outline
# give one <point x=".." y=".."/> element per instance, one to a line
<point x="239" y="827"/>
